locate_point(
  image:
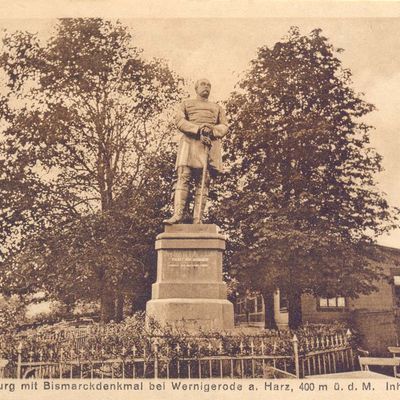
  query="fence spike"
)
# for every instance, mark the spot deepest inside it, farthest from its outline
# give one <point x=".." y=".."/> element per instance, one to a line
<point x="155" y="345"/>
<point x="241" y="346"/>
<point x="134" y="350"/>
<point x="209" y="347"/>
<point x="336" y="340"/>
<point x="263" y="347"/>
<point x="221" y="347"/>
<point x="348" y="336"/>
<point x="296" y="355"/>
<point x="252" y="346"/>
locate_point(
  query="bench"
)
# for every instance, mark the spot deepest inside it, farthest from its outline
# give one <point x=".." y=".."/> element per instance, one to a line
<point x="365" y="362"/>
<point x="395" y="350"/>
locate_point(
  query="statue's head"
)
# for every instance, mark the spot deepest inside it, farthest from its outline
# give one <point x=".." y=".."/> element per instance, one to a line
<point x="203" y="88"/>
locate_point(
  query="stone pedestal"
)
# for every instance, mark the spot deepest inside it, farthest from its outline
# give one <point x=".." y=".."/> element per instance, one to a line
<point x="189" y="291"/>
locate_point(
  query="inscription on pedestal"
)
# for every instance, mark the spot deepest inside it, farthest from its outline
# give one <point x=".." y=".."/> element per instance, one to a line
<point x="189" y="266"/>
<point x="188" y="262"/>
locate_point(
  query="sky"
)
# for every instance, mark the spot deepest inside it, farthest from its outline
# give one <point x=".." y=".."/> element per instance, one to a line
<point x="220" y="49"/>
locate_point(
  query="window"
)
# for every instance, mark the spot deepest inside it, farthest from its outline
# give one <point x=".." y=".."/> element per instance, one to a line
<point x="332" y="303"/>
<point x="250" y="308"/>
<point x="251" y="304"/>
<point x="259" y="307"/>
<point x="396" y="282"/>
<point x="283" y="301"/>
<point x="239" y="306"/>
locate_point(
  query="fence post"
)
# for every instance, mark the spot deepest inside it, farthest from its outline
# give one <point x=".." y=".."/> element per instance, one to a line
<point x="156" y="358"/>
<point x="348" y="334"/>
<point x="19" y="362"/>
<point x="296" y="355"/>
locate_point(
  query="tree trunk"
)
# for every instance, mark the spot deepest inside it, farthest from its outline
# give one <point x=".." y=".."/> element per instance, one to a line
<point x="295" y="314"/>
<point x="138" y="303"/>
<point x="269" y="312"/>
<point x="119" y="312"/>
<point x="107" y="306"/>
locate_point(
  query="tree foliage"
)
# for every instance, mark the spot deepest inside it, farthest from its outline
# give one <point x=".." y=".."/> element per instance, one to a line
<point x="302" y="179"/>
<point x="85" y="127"/>
<point x="12" y="315"/>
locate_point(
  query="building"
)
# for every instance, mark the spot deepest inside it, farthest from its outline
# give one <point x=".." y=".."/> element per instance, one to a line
<point x="375" y="316"/>
<point x="250" y="310"/>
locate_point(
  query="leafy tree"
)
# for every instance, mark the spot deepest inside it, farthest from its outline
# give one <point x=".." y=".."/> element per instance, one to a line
<point x="301" y="184"/>
<point x="12" y="315"/>
<point x="86" y="125"/>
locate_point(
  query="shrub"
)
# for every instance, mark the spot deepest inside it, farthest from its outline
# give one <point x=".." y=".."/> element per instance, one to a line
<point x="135" y="338"/>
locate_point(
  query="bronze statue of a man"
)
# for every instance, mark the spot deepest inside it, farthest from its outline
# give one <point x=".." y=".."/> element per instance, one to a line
<point x="203" y="124"/>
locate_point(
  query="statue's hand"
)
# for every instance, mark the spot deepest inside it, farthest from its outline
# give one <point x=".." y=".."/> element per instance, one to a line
<point x="207" y="130"/>
<point x="205" y="140"/>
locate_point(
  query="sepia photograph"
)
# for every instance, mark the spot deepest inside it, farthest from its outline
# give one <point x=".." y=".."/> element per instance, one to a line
<point x="200" y="204"/>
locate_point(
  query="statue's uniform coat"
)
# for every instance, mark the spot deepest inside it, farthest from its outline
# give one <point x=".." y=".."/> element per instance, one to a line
<point x="191" y="114"/>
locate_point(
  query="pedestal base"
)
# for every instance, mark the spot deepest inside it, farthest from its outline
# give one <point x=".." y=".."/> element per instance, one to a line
<point x="189" y="291"/>
<point x="192" y="313"/>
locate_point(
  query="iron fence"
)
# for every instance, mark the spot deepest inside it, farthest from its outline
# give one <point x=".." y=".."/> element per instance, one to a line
<point x="197" y="358"/>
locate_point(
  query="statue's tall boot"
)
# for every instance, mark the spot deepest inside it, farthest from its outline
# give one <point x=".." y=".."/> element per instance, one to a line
<point x="197" y="217"/>
<point x="179" y="206"/>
